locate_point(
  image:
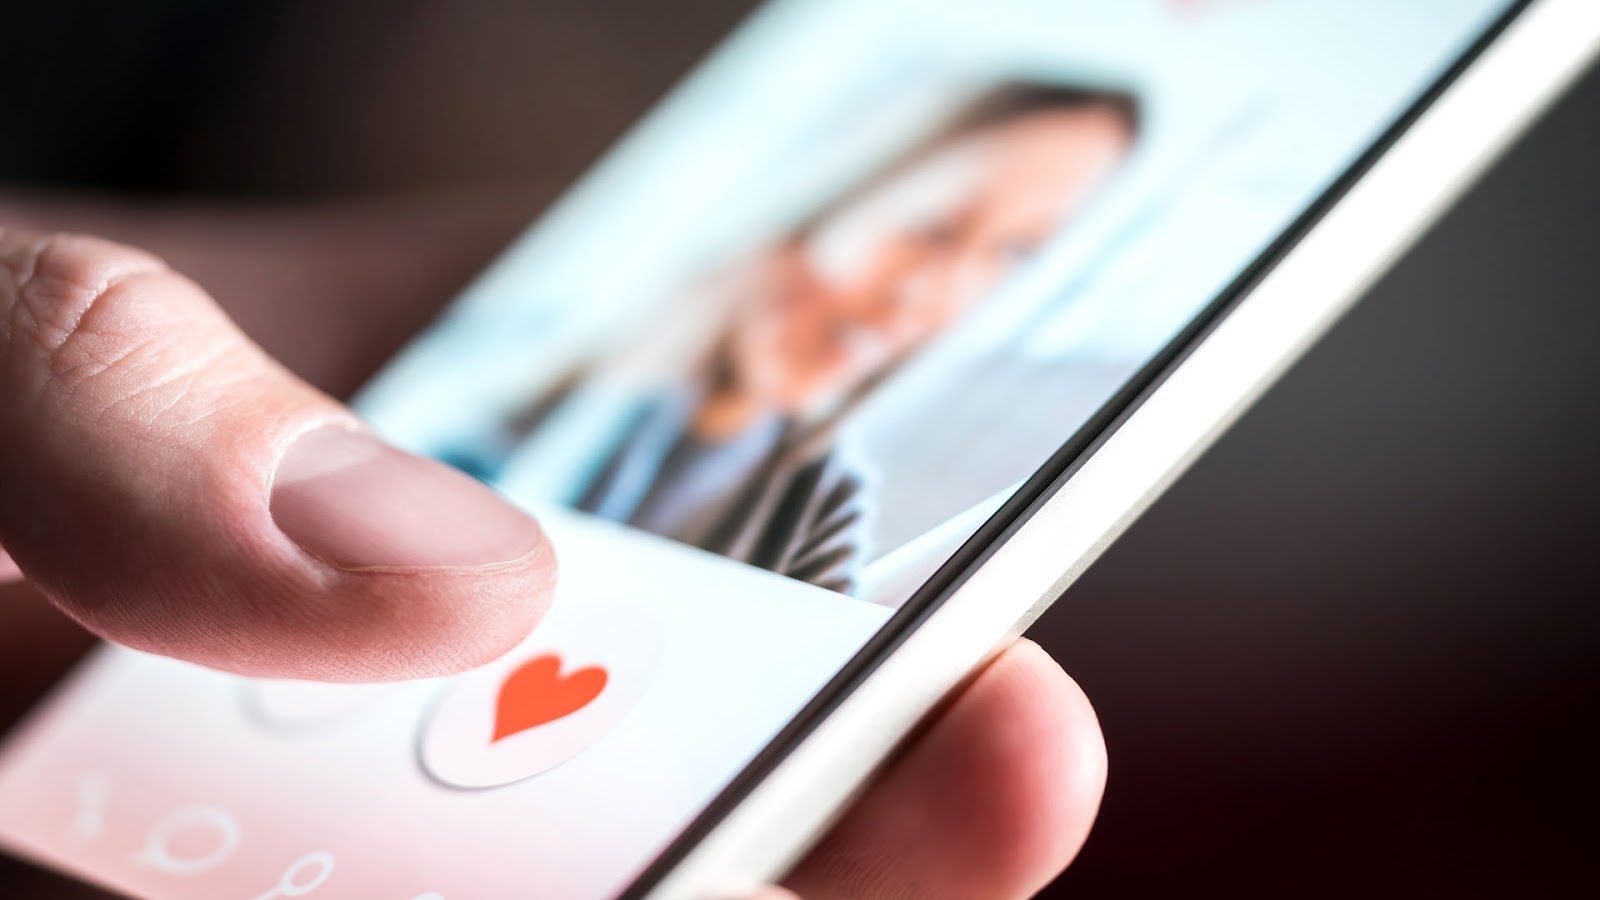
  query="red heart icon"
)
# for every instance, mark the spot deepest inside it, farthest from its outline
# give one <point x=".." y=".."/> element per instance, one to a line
<point x="537" y="693"/>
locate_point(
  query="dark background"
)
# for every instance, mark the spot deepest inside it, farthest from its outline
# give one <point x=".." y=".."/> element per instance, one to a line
<point x="1353" y="651"/>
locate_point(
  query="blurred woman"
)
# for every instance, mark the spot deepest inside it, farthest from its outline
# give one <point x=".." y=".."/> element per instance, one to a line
<point x="737" y="452"/>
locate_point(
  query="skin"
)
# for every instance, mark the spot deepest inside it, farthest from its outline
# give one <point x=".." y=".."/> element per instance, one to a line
<point x="898" y="263"/>
<point x="992" y="799"/>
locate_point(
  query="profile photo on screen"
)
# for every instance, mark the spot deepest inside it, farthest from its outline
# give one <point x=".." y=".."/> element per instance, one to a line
<point x="731" y="442"/>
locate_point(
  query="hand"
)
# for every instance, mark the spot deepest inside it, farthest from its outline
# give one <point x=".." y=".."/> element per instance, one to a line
<point x="170" y="487"/>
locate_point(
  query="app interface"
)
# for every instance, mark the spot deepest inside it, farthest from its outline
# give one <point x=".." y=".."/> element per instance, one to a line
<point x="759" y="375"/>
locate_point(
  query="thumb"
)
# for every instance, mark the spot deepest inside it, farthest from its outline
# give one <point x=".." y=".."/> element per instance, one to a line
<point x="175" y="490"/>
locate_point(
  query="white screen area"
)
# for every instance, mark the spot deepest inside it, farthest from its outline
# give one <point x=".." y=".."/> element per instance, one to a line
<point x="759" y="374"/>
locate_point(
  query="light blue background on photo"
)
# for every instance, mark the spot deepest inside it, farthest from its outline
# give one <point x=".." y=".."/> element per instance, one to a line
<point x="1249" y="111"/>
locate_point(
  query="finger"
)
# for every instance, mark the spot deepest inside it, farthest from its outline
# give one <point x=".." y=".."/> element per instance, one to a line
<point x="174" y="489"/>
<point x="993" y="801"/>
<point x="8" y="568"/>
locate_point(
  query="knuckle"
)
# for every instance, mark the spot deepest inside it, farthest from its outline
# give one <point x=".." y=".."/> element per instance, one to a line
<point x="57" y="281"/>
<point x="78" y="327"/>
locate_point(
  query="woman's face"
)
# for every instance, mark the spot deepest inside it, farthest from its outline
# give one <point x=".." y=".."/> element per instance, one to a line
<point x="897" y="264"/>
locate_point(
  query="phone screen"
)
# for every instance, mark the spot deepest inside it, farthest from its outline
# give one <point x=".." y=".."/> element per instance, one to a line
<point x="760" y="374"/>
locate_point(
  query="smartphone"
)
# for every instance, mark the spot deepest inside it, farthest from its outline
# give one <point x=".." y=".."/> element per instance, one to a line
<point x="826" y="381"/>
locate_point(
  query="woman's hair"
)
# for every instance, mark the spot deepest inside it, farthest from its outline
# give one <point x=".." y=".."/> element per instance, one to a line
<point x="1000" y="105"/>
<point x="1016" y="100"/>
<point x="997" y="106"/>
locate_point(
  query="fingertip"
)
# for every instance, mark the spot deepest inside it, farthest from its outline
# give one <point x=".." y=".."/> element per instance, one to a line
<point x="1043" y="731"/>
<point x="434" y="571"/>
<point x="8" y="568"/>
<point x="992" y="801"/>
<point x="423" y="624"/>
<point x="305" y="620"/>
